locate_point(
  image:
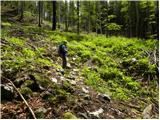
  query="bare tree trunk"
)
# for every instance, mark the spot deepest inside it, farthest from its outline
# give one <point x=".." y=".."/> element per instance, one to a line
<point x="106" y="29"/>
<point x="96" y="20"/>
<point x="130" y="19"/>
<point x="42" y="12"/>
<point x="59" y="16"/>
<point x="54" y="15"/>
<point x="137" y="17"/>
<point x="78" y="17"/>
<point x="148" y="29"/>
<point x="89" y="18"/>
<point x="66" y="16"/>
<point x="157" y="19"/>
<point x="39" y="9"/>
<point x="21" y="10"/>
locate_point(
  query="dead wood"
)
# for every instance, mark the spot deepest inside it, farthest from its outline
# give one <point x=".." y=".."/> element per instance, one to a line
<point x="30" y="109"/>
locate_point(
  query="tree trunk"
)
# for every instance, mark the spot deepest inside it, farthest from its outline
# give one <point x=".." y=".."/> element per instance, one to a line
<point x="39" y="10"/>
<point x="137" y="21"/>
<point x="54" y="15"/>
<point x="89" y="18"/>
<point x="96" y="13"/>
<point x="66" y="16"/>
<point x="101" y="20"/>
<point x="42" y="12"/>
<point x="106" y="29"/>
<point x="21" y="10"/>
<point x="59" y="16"/>
<point x="78" y="17"/>
<point x="130" y="19"/>
<point x="157" y="19"/>
<point x="148" y="27"/>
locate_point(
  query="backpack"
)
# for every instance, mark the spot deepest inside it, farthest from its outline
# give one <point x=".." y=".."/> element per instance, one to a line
<point x="62" y="50"/>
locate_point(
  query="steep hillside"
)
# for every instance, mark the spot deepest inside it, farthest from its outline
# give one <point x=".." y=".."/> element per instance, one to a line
<point x="112" y="77"/>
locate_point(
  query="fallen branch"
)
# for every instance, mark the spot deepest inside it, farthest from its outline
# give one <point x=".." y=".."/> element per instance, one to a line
<point x="22" y="98"/>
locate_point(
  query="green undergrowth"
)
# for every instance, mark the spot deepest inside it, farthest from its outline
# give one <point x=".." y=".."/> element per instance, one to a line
<point x="110" y="65"/>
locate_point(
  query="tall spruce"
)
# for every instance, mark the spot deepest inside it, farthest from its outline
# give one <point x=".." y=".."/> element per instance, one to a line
<point x="54" y="15"/>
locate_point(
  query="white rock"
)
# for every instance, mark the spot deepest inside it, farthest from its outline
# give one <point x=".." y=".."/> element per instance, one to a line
<point x="104" y="97"/>
<point x="134" y="59"/>
<point x="73" y="73"/>
<point x="73" y="82"/>
<point x="75" y="70"/>
<point x="69" y="65"/>
<point x="62" y="78"/>
<point x="96" y="113"/>
<point x="54" y="80"/>
<point x="85" y="90"/>
<point x="87" y="87"/>
<point x="147" y="112"/>
<point x="74" y="58"/>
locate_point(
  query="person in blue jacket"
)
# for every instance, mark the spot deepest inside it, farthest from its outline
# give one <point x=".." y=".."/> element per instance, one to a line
<point x="62" y="51"/>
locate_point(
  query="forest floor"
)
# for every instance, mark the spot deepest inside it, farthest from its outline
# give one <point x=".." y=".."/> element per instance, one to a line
<point x="86" y="89"/>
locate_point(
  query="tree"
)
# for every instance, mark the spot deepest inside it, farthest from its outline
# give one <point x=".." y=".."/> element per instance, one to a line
<point x="78" y="17"/>
<point x="127" y="18"/>
<point x="59" y="15"/>
<point x="21" y="10"/>
<point x="54" y="15"/>
<point x="48" y="10"/>
<point x="104" y="17"/>
<point x="137" y="19"/>
<point x="39" y="9"/>
<point x="66" y="15"/>
<point x="157" y="19"/>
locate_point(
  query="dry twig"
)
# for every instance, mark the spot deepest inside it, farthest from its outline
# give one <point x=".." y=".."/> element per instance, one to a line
<point x="22" y="98"/>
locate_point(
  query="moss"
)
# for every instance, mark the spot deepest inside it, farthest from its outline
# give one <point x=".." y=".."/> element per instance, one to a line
<point x="26" y="92"/>
<point x="67" y="87"/>
<point x="42" y="80"/>
<point x="28" y="52"/>
<point x="6" y="24"/>
<point x="52" y="99"/>
<point x="69" y="115"/>
<point x="28" y="82"/>
<point x="97" y="60"/>
<point x="17" y="41"/>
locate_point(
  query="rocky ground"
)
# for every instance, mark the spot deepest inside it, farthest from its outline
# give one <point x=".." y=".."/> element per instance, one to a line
<point x="87" y="103"/>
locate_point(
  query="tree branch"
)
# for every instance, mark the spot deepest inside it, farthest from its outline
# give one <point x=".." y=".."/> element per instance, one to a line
<point x="22" y="98"/>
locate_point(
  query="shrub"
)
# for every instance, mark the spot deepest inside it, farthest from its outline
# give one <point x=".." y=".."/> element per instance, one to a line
<point x="121" y="94"/>
<point x="97" y="60"/>
<point x="109" y="73"/>
<point x="43" y="62"/>
<point x="113" y="27"/>
<point x="85" y="54"/>
<point x="17" y="41"/>
<point x="28" y="53"/>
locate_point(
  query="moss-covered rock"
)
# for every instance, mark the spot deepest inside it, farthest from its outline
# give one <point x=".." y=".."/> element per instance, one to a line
<point x="26" y="92"/>
<point x="40" y="112"/>
<point x="69" y="115"/>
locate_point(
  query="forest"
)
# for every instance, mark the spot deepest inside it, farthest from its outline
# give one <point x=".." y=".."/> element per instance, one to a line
<point x="79" y="59"/>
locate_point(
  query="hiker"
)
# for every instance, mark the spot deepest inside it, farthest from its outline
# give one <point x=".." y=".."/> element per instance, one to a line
<point x="62" y="51"/>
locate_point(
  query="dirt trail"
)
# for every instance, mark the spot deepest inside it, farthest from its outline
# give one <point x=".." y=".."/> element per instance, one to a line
<point x="90" y="101"/>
